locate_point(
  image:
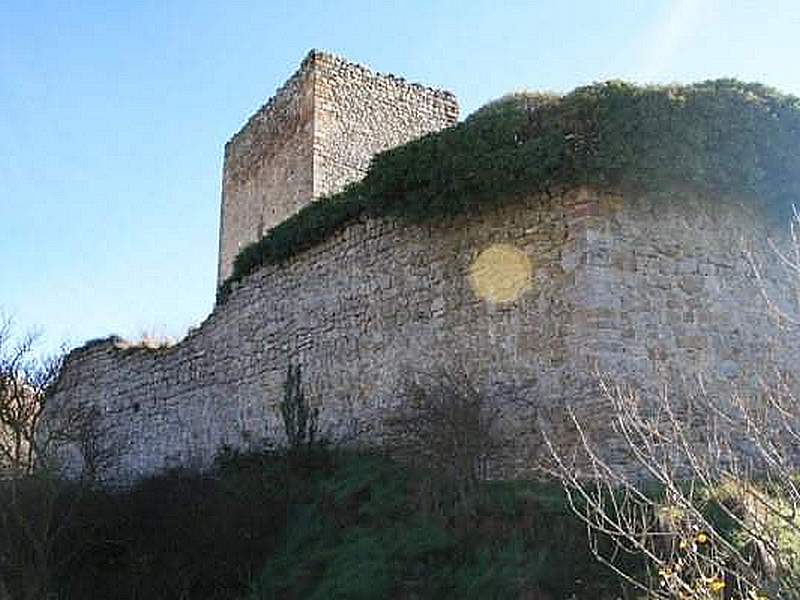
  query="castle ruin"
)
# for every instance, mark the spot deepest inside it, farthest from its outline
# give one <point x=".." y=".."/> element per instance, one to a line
<point x="535" y="297"/>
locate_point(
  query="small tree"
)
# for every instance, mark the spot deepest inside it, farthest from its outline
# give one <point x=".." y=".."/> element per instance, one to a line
<point x="25" y="381"/>
<point x="300" y="420"/>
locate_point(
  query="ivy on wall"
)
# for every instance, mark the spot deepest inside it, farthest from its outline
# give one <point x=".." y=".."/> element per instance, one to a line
<point x="722" y="136"/>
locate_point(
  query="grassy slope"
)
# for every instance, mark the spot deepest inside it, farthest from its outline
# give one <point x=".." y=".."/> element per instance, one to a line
<point x="358" y="533"/>
<point x="325" y="526"/>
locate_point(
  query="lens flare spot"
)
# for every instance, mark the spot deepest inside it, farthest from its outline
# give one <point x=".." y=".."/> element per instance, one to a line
<point x="501" y="273"/>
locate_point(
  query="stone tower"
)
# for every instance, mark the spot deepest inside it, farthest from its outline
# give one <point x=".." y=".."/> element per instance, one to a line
<point x="317" y="134"/>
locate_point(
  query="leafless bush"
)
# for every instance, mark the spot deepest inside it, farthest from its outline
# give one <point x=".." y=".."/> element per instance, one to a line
<point x="33" y="507"/>
<point x="32" y="431"/>
<point x="713" y="505"/>
<point x="25" y="380"/>
<point x="448" y="427"/>
<point x="707" y="491"/>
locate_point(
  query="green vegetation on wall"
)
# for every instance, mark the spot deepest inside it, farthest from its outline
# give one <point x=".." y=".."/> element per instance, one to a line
<point x="722" y="136"/>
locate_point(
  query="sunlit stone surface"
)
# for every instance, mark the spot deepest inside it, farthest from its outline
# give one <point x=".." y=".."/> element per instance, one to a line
<point x="647" y="290"/>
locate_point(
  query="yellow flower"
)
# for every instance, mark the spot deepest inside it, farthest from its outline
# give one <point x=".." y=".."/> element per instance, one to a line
<point x="716" y="585"/>
<point x="701" y="538"/>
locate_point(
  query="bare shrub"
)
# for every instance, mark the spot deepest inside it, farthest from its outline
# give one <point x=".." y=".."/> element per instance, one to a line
<point x="714" y="506"/>
<point x="35" y="504"/>
<point x="708" y="492"/>
<point x="25" y="382"/>
<point x="448" y="427"/>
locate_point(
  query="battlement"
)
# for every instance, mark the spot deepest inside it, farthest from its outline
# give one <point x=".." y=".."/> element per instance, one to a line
<point x="318" y="133"/>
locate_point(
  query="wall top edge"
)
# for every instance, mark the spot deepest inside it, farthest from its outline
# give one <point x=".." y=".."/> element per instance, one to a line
<point x="319" y="59"/>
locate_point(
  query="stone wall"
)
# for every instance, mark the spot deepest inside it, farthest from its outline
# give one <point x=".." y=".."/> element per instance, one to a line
<point x="268" y="172"/>
<point x="318" y="133"/>
<point x="532" y="298"/>
<point x="359" y="113"/>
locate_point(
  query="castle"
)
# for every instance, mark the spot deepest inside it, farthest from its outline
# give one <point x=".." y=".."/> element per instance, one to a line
<point x="535" y="297"/>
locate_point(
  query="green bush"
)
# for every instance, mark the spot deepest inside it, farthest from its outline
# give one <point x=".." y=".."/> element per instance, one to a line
<point x="179" y="535"/>
<point x="724" y="137"/>
<point x="357" y="532"/>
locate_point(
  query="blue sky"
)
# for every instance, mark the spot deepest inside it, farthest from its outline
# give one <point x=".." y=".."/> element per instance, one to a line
<point x="113" y="117"/>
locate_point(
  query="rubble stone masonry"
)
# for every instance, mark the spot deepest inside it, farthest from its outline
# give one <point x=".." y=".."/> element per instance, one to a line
<point x="641" y="287"/>
<point x="535" y="298"/>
